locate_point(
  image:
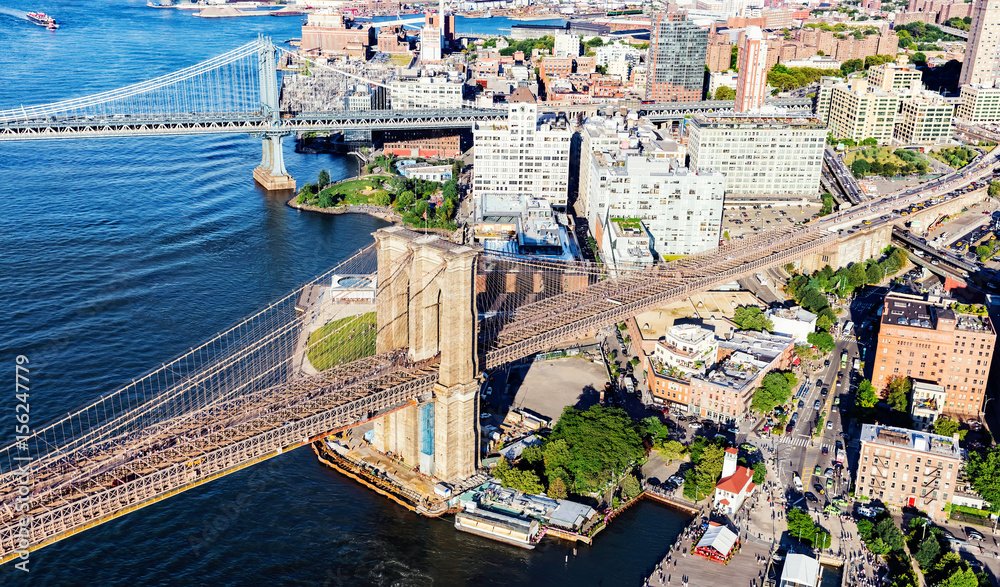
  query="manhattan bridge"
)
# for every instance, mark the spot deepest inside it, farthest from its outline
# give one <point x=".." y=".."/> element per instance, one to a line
<point x="406" y="323"/>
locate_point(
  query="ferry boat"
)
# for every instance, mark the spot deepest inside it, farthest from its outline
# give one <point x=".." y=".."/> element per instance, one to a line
<point x="42" y="19"/>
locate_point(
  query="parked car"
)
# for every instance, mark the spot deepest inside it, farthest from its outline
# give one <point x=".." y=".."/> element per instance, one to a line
<point x="826" y="450"/>
<point x="819" y="488"/>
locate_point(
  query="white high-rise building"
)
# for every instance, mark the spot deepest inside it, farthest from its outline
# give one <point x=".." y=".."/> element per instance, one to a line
<point x="528" y="155"/>
<point x="751" y="83"/>
<point x="566" y="46"/>
<point x="430" y="43"/>
<point x="681" y="209"/>
<point x="982" y="55"/>
<point x="761" y="156"/>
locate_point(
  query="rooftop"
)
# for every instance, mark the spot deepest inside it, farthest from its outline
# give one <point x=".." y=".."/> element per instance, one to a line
<point x="724" y="121"/>
<point x="796" y="313"/>
<point x="925" y="442"/>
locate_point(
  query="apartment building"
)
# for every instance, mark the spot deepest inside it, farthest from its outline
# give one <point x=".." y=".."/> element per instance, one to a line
<point x="907" y="468"/>
<point x="980" y="103"/>
<point x="859" y="111"/>
<point x="566" y="45"/>
<point x="527" y="155"/>
<point x="681" y="209"/>
<point x="981" y="64"/>
<point x="437" y="91"/>
<point x="751" y="83"/>
<point x="731" y="370"/>
<point x="894" y="76"/>
<point x="676" y="59"/>
<point x="927" y="340"/>
<point x="924" y="118"/>
<point x="686" y="348"/>
<point x="759" y="155"/>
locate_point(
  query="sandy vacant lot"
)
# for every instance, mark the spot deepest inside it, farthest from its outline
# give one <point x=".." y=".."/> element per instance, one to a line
<point x="549" y="386"/>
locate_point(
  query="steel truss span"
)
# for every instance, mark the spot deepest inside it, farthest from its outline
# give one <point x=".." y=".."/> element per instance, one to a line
<point x="136" y="125"/>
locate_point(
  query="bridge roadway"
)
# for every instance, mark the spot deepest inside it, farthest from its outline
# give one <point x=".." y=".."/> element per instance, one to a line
<point x="124" y="125"/>
<point x="74" y="491"/>
<point x="131" y="125"/>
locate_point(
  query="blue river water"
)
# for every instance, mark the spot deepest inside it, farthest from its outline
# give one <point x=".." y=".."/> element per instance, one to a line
<point x="118" y="254"/>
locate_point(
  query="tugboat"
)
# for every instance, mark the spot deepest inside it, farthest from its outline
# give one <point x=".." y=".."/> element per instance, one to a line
<point x="42" y="19"/>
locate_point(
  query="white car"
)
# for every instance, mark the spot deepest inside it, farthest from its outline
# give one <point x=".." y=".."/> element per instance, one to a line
<point x="695" y="425"/>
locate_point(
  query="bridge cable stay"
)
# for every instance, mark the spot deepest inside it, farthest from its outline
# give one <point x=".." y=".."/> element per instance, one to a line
<point x="239" y="375"/>
<point x="227" y="83"/>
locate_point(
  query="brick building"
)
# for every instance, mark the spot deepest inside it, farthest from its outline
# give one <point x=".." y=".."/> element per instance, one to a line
<point x="330" y="34"/>
<point x="443" y="145"/>
<point x="906" y="468"/>
<point x="925" y="340"/>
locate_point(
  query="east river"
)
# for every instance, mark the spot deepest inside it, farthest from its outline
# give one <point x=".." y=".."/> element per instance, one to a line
<point x="118" y="254"/>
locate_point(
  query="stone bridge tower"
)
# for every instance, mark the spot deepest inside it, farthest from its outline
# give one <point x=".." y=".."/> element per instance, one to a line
<point x="426" y="302"/>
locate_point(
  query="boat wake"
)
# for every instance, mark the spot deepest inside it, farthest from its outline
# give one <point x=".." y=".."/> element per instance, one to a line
<point x="15" y="13"/>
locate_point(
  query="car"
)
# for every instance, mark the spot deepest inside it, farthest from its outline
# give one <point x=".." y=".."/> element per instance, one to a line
<point x="816" y="405"/>
<point x="839" y="445"/>
<point x="845" y="435"/>
<point x="809" y="495"/>
<point x="826" y="450"/>
<point x="819" y="488"/>
<point x="824" y="391"/>
<point x="802" y="404"/>
<point x="733" y="430"/>
<point x="836" y="401"/>
<point x="819" y="383"/>
<point x="829" y="425"/>
<point x="828" y="472"/>
<point x="818" y="471"/>
<point x="975" y="535"/>
<point x="694" y="425"/>
<point x="826" y="363"/>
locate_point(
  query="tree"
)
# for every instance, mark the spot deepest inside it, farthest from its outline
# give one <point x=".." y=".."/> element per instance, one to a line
<point x="557" y="489"/>
<point x="631" y="487"/>
<point x="856" y="275"/>
<point x="821" y="340"/>
<point x="869" y="142"/>
<point x="383" y="199"/>
<point x="602" y="443"/>
<point x="752" y="318"/>
<point x="404" y="200"/>
<point x="532" y="455"/>
<point x="725" y="93"/>
<point x="759" y="473"/>
<point x="875" y="274"/>
<point x="945" y="427"/>
<point x="918" y="58"/>
<point x="983" y="469"/>
<point x="671" y="450"/>
<point x="850" y="66"/>
<point x="961" y="578"/>
<point x="928" y="552"/>
<point x="860" y="168"/>
<point x="775" y="389"/>
<point x="802" y="528"/>
<point x="867" y="397"/>
<point x="899" y="390"/>
<point x="323" y="180"/>
<point x="708" y="469"/>
<point x="994" y="189"/>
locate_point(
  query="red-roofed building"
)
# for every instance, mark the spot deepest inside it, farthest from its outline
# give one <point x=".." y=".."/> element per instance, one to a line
<point x="735" y="485"/>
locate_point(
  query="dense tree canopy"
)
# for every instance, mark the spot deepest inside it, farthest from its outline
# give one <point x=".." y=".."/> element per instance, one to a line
<point x="752" y="318"/>
<point x="802" y="528"/>
<point x="983" y="469"/>
<point x="867" y="397"/>
<point x="595" y="445"/>
<point x="775" y="389"/>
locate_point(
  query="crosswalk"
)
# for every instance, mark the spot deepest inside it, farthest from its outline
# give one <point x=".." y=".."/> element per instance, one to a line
<point x="845" y="338"/>
<point x="799" y="441"/>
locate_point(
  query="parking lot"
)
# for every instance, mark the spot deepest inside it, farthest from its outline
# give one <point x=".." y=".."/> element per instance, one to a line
<point x="749" y="218"/>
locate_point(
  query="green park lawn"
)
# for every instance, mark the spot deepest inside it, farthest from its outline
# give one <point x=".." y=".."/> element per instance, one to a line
<point x="342" y="341"/>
